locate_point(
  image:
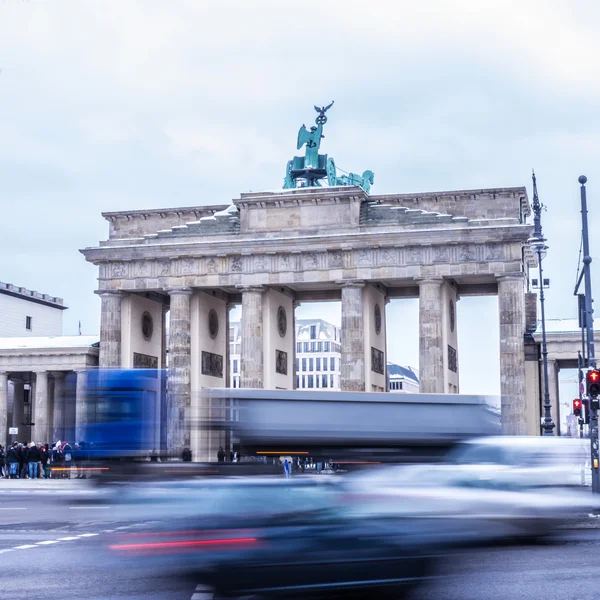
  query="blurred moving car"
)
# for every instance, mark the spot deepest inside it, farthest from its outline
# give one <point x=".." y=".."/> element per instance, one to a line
<point x="498" y="487"/>
<point x="294" y="538"/>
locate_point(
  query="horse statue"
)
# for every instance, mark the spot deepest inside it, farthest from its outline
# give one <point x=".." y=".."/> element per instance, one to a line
<point x="365" y="181"/>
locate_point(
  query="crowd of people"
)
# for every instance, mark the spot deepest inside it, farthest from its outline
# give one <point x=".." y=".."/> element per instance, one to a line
<point x="58" y="460"/>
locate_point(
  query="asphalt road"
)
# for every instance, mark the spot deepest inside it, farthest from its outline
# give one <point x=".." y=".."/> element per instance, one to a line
<point x="51" y="535"/>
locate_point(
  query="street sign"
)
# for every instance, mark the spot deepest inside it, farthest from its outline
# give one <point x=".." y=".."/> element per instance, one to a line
<point x="13" y="430"/>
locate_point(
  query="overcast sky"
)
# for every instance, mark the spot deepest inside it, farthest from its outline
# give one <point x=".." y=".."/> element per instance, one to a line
<point x="121" y="104"/>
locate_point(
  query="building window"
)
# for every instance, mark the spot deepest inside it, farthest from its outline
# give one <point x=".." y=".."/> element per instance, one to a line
<point x="297" y="381"/>
<point x="297" y="365"/>
<point x="320" y="346"/>
<point x="332" y="363"/>
<point x="310" y="381"/>
<point x="325" y="363"/>
<point x="313" y="332"/>
<point x="313" y="346"/>
<point x="324" y="381"/>
<point x="28" y="323"/>
<point x="235" y="366"/>
<point x="298" y="347"/>
<point x="306" y="347"/>
<point x="311" y="364"/>
<point x="331" y="381"/>
<point x="319" y="364"/>
<point x="304" y="364"/>
<point x="327" y="346"/>
<point x="317" y="381"/>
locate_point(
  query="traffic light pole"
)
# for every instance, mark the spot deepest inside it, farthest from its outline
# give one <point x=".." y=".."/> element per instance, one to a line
<point x="589" y="324"/>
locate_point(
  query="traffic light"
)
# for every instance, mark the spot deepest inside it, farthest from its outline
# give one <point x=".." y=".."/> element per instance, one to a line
<point x="593" y="383"/>
<point x="577" y="407"/>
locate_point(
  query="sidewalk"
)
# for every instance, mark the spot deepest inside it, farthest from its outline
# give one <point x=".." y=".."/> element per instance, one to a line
<point x="21" y="485"/>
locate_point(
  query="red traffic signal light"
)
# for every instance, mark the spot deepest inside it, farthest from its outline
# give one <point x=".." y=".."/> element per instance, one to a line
<point x="577" y="407"/>
<point x="593" y="383"/>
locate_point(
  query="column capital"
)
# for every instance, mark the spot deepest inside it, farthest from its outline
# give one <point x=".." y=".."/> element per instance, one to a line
<point x="351" y="283"/>
<point x="179" y="291"/>
<point x="511" y="277"/>
<point x="4" y="374"/>
<point x="41" y="372"/>
<point x="429" y="280"/>
<point x="251" y="288"/>
<point x="165" y="308"/>
<point x="109" y="292"/>
<point x="296" y="304"/>
<point x="57" y="374"/>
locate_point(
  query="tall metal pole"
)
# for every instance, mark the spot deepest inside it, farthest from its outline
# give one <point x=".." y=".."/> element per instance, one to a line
<point x="538" y="245"/>
<point x="589" y="324"/>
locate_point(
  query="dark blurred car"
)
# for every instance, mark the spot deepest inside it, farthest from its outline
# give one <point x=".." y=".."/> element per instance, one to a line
<point x="277" y="538"/>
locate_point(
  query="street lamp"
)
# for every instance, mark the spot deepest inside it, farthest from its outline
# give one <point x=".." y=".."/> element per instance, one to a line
<point x="537" y="244"/>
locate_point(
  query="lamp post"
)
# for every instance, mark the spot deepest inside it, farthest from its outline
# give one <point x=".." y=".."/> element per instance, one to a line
<point x="538" y="245"/>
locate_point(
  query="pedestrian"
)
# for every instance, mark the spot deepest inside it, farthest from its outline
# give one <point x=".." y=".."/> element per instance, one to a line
<point x="67" y="452"/>
<point x="153" y="456"/>
<point x="287" y="468"/>
<point x="2" y="460"/>
<point x="13" y="460"/>
<point x="221" y="454"/>
<point x="186" y="455"/>
<point x="33" y="458"/>
<point x="45" y="460"/>
<point x="57" y="461"/>
<point x="23" y="462"/>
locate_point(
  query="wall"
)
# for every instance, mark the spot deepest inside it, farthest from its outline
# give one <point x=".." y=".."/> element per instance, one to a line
<point x="272" y="300"/>
<point x="132" y="338"/>
<point x="46" y="320"/>
<point x="374" y="382"/>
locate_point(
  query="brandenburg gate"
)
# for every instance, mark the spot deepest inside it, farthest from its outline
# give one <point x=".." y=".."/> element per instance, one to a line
<point x="311" y="242"/>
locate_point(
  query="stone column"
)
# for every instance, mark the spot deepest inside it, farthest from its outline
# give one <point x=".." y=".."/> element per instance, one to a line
<point x="58" y="418"/>
<point x="295" y="305"/>
<point x="110" y="328"/>
<point x="227" y="360"/>
<point x="511" y="303"/>
<point x="40" y="407"/>
<point x="352" y="367"/>
<point x="252" y="358"/>
<point x="431" y="347"/>
<point x="18" y="405"/>
<point x="80" y="407"/>
<point x="3" y="408"/>
<point x="163" y="341"/>
<point x="178" y="380"/>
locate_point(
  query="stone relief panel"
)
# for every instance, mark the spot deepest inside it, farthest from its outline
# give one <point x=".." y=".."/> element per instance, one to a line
<point x="377" y="362"/>
<point x="414" y="256"/>
<point x="494" y="252"/>
<point x="235" y="264"/>
<point x="212" y="266"/>
<point x="212" y="364"/>
<point x="441" y="254"/>
<point x="310" y="261"/>
<point x="281" y="362"/>
<point x="260" y="263"/>
<point x="452" y="359"/>
<point x="363" y="258"/>
<point x="286" y="262"/>
<point x="334" y="260"/>
<point x="388" y="256"/>
<point x="142" y="268"/>
<point x="144" y="361"/>
<point x="189" y="266"/>
<point x="118" y="270"/>
<point x="165" y="268"/>
<point x="466" y="253"/>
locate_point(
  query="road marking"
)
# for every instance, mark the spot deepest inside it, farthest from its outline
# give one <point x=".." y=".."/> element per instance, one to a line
<point x="25" y="547"/>
<point x="68" y="539"/>
<point x="87" y="507"/>
<point x="88" y="535"/>
<point x="47" y="542"/>
<point x="202" y="592"/>
<point x="13" y="508"/>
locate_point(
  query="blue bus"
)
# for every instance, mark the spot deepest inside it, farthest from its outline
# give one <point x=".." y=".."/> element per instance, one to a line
<point x="124" y="413"/>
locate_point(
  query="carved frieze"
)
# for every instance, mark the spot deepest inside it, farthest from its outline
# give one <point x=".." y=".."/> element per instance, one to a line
<point x="414" y="255"/>
<point x="286" y="262"/>
<point x="388" y="256"/>
<point x="212" y="266"/>
<point x="467" y="253"/>
<point x="189" y="266"/>
<point x="452" y="359"/>
<point x="281" y="362"/>
<point x="236" y="264"/>
<point x="363" y="258"/>
<point x="260" y="263"/>
<point x="144" y="361"/>
<point x="494" y="252"/>
<point x="142" y="268"/>
<point x="441" y="254"/>
<point x="377" y="362"/>
<point x="165" y="268"/>
<point x="212" y="364"/>
<point x="310" y="261"/>
<point x="118" y="270"/>
<point x="334" y="259"/>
